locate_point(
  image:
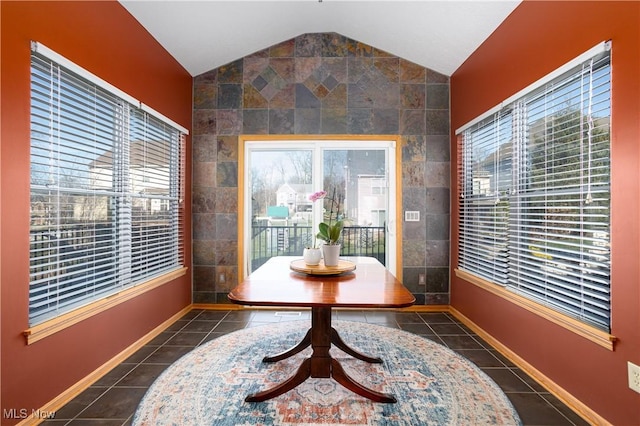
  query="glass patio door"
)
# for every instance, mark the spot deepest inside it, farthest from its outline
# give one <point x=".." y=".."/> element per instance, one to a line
<point x="281" y="220"/>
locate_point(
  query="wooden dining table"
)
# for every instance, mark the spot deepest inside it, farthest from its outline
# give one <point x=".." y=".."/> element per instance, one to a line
<point x="367" y="284"/>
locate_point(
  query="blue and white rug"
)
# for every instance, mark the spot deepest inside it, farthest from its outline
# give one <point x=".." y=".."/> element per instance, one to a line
<point x="433" y="385"/>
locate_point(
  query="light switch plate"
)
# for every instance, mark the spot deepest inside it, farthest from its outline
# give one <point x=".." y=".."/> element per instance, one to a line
<point x="411" y="216"/>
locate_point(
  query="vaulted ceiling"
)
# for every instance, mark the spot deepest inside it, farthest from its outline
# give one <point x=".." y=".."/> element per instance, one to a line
<point x="437" y="34"/>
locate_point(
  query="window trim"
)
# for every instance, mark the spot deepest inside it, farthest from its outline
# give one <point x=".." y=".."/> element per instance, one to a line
<point x="68" y="319"/>
<point x="593" y="334"/>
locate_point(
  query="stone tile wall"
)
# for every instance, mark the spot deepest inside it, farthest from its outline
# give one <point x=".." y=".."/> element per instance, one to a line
<point x="321" y="84"/>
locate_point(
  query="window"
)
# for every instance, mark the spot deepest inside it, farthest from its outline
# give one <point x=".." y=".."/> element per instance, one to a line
<point x="534" y="191"/>
<point x="106" y="189"/>
<point x="378" y="186"/>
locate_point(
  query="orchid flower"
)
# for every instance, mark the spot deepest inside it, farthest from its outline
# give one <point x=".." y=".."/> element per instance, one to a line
<point x="328" y="232"/>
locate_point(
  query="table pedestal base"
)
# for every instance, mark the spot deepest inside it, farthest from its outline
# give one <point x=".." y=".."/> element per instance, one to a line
<point x="321" y="364"/>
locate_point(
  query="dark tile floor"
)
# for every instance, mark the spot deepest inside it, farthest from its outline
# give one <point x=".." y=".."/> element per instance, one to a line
<point x="113" y="399"/>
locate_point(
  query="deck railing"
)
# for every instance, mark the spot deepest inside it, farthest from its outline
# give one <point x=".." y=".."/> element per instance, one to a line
<point x="270" y="241"/>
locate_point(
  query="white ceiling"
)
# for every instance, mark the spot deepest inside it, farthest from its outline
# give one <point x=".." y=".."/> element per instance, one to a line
<point x="203" y="35"/>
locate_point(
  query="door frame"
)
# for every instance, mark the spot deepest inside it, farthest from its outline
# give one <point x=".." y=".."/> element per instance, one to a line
<point x="395" y="223"/>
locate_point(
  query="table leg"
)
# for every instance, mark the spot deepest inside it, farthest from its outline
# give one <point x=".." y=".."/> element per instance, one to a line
<point x="321" y="364"/>
<point x="337" y="372"/>
<point x="304" y="343"/>
<point x="303" y="373"/>
<point x="337" y="340"/>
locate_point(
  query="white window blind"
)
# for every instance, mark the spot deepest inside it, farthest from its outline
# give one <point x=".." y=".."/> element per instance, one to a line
<point x="484" y="215"/>
<point x="535" y="195"/>
<point x="106" y="192"/>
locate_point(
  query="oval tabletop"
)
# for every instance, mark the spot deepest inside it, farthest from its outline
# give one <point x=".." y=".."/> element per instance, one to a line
<point x="370" y="285"/>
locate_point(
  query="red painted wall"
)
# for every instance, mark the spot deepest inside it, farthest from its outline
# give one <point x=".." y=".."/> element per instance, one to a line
<point x="106" y="40"/>
<point x="534" y="40"/>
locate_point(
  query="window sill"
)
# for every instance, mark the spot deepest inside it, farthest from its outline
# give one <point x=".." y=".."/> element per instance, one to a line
<point x="599" y="337"/>
<point x="47" y="328"/>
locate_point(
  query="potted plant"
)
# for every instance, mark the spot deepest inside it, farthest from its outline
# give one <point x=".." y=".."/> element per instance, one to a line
<point x="311" y="256"/>
<point x="329" y="232"/>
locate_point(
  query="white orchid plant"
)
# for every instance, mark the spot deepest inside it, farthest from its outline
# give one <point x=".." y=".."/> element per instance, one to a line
<point x="329" y="232"/>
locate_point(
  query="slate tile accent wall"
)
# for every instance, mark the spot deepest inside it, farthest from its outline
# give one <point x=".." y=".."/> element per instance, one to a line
<point x="321" y="83"/>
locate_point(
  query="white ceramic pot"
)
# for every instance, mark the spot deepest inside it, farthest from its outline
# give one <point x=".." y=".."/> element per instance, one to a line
<point x="312" y="256"/>
<point x="331" y="253"/>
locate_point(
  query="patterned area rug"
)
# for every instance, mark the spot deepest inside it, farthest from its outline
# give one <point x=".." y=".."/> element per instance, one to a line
<point x="433" y="385"/>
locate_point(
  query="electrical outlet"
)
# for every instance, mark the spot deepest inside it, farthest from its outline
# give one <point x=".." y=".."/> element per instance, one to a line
<point x="222" y="278"/>
<point x="634" y="376"/>
<point x="421" y="279"/>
